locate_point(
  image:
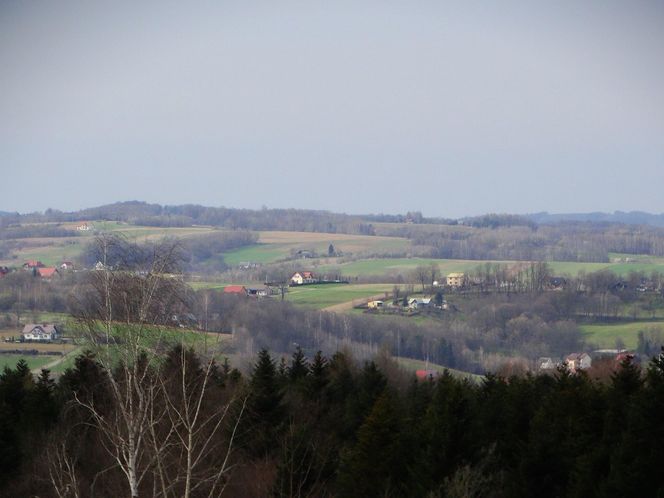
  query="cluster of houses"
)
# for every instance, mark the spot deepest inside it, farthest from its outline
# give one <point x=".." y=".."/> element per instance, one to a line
<point x="41" y="270"/>
<point x="412" y="304"/>
<point x="576" y="362"/>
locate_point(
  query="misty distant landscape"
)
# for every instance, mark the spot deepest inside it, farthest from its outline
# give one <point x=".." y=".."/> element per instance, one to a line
<point x="331" y="250"/>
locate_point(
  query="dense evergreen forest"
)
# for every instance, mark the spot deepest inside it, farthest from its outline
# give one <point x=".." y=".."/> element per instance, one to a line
<point x="329" y="427"/>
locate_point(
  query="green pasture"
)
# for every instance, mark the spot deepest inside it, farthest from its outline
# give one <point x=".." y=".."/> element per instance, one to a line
<point x="33" y="361"/>
<point x="606" y="335"/>
<point x="259" y="253"/>
<point x="320" y="296"/>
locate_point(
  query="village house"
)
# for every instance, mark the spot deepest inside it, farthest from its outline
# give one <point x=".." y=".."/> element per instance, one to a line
<point x="419" y="302"/>
<point x="546" y="363"/>
<point x="66" y="265"/>
<point x="456" y="279"/>
<point x="303" y="278"/>
<point x="578" y="361"/>
<point x="84" y="227"/>
<point x="40" y="332"/>
<point x="375" y="305"/>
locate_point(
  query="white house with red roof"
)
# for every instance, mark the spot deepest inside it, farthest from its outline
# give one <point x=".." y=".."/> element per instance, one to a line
<point x="303" y="277"/>
<point x="40" y="332"/>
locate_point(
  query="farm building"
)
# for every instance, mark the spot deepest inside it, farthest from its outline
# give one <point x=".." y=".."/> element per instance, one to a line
<point x="66" y="265"/>
<point x="456" y="279"/>
<point x="235" y="289"/>
<point x="39" y="332"/>
<point x="375" y="305"/>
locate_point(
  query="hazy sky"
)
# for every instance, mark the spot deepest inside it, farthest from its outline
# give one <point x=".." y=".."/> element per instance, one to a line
<point x="451" y="108"/>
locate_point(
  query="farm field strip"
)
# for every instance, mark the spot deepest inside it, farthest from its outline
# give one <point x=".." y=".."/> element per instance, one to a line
<point x="273" y="246"/>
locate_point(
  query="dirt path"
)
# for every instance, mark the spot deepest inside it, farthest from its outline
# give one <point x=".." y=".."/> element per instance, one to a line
<point x="349" y="305"/>
<point x="53" y="363"/>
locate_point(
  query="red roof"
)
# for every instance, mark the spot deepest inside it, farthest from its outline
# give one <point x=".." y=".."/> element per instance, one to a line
<point x="308" y="274"/>
<point x="33" y="263"/>
<point x="46" y="272"/>
<point x="425" y="374"/>
<point x="235" y="289"/>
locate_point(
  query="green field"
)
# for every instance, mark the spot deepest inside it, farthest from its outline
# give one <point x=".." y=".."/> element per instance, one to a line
<point x="320" y="296"/>
<point x="260" y="253"/>
<point x="605" y="335"/>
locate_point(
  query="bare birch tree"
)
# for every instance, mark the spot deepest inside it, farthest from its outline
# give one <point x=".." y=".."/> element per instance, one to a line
<point x="123" y="311"/>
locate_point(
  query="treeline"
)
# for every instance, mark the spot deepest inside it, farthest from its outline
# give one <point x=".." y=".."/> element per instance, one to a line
<point x="328" y="427"/>
<point x="585" y="242"/>
<point x="630" y="217"/>
<point x="30" y="231"/>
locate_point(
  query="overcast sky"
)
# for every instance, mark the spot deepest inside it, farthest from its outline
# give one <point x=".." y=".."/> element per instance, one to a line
<point x="450" y="108"/>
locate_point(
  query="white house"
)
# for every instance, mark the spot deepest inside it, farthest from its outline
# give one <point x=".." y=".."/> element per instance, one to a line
<point x="304" y="277"/>
<point x="578" y="361"/>
<point x="422" y="302"/>
<point x="39" y="332"/>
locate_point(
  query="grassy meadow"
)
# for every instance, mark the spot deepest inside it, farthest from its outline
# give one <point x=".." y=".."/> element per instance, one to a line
<point x="606" y="335"/>
<point x="319" y="296"/>
<point x="34" y="361"/>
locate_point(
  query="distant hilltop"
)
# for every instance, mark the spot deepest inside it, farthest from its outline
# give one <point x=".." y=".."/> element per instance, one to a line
<point x="630" y="218"/>
<point x="143" y="213"/>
